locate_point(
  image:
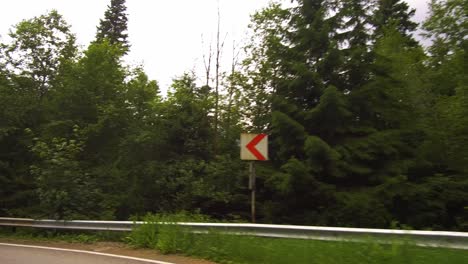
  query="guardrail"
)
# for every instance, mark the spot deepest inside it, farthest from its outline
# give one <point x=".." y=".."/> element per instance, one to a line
<point x="444" y="239"/>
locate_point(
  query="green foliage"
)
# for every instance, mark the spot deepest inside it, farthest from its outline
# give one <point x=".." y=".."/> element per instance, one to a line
<point x="359" y="209"/>
<point x="290" y="136"/>
<point x="366" y="127"/>
<point x="162" y="232"/>
<point x="39" y="48"/>
<point x="19" y="110"/>
<point x="71" y="236"/>
<point x="331" y="116"/>
<point x="142" y="95"/>
<point x="187" y="115"/>
<point x="397" y="13"/>
<point x="66" y="190"/>
<point x="322" y="159"/>
<point x="114" y="26"/>
<point x="352" y="109"/>
<point x="448" y="24"/>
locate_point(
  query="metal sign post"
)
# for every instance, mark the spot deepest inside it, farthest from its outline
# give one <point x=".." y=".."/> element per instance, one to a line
<point x="252" y="189"/>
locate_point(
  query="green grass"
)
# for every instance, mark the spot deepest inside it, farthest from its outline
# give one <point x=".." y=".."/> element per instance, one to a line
<point x="244" y="249"/>
<point x="72" y="236"/>
<point x="167" y="238"/>
<point x="241" y="249"/>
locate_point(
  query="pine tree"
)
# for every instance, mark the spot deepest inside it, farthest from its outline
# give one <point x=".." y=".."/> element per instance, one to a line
<point x="394" y="13"/>
<point x="354" y="23"/>
<point x="341" y="110"/>
<point x="114" y="25"/>
<point x="306" y="65"/>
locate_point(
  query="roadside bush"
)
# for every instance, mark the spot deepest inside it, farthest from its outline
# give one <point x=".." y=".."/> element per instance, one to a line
<point x="161" y="232"/>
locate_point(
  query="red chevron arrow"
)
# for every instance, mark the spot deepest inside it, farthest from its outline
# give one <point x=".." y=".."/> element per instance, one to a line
<point x="251" y="146"/>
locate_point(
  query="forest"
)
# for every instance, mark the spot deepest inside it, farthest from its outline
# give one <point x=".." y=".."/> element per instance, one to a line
<point x="367" y="127"/>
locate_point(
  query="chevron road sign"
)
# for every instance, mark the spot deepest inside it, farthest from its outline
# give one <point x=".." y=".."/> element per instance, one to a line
<point x="254" y="147"/>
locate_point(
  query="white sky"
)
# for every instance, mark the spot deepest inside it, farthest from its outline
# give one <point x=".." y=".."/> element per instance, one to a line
<point x="165" y="36"/>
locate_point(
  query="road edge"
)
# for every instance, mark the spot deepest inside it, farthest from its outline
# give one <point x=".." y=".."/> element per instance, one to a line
<point x="87" y="252"/>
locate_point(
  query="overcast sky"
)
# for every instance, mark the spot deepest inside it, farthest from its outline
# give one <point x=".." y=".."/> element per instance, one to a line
<point x="165" y="36"/>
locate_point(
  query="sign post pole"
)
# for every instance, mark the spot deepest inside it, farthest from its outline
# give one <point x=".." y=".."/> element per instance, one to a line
<point x="252" y="189"/>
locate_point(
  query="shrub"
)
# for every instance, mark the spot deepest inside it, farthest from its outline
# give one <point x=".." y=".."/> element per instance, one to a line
<point x="161" y="231"/>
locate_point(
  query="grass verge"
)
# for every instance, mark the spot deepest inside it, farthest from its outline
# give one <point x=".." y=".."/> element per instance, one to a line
<point x="71" y="236"/>
<point x="170" y="238"/>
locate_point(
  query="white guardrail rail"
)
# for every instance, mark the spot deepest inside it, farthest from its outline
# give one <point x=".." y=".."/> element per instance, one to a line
<point x="444" y="239"/>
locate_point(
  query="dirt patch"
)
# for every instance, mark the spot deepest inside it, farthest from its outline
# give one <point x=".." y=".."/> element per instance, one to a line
<point x="111" y="248"/>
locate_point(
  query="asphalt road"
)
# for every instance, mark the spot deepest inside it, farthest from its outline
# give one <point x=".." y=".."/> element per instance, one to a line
<point x="10" y="254"/>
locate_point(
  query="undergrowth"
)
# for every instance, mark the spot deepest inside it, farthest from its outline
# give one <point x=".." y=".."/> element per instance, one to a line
<point x="72" y="236"/>
<point x="161" y="232"/>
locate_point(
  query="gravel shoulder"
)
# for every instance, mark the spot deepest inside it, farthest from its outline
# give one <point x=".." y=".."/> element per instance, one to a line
<point x="110" y="248"/>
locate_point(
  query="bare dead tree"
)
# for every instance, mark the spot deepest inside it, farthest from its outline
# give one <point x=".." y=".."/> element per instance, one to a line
<point x="207" y="61"/>
<point x="219" y="48"/>
<point x="235" y="56"/>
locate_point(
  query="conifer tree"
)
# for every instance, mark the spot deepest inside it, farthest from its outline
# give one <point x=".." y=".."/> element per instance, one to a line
<point x="338" y="115"/>
<point x="394" y="13"/>
<point x="354" y="23"/>
<point x="114" y="25"/>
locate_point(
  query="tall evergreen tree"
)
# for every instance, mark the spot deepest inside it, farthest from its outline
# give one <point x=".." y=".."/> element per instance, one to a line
<point x="114" y="25"/>
<point x="340" y="117"/>
<point x="396" y="13"/>
<point x="354" y="19"/>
